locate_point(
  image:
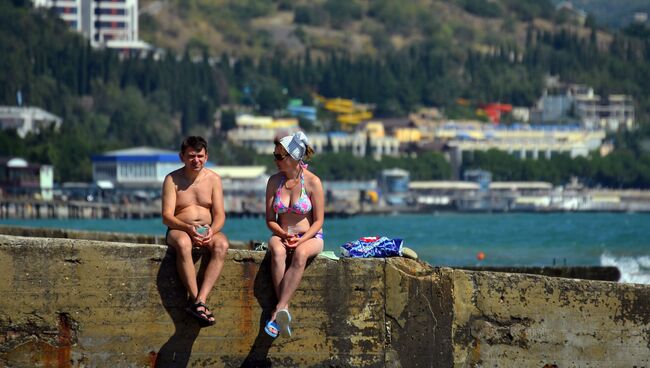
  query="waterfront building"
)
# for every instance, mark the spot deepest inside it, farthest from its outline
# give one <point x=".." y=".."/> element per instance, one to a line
<point x="244" y="188"/>
<point x="27" y="119"/>
<point x="20" y="178"/>
<point x="441" y="194"/>
<point x="478" y="193"/>
<point x="143" y="170"/>
<point x="140" y="167"/>
<point x="394" y="186"/>
<point x="106" y="23"/>
<point x="350" y="196"/>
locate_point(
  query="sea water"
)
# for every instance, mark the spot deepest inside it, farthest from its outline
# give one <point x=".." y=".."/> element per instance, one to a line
<point x="572" y="239"/>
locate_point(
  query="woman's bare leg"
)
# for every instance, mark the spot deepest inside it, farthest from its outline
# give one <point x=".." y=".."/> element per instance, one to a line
<point x="292" y="277"/>
<point x="278" y="262"/>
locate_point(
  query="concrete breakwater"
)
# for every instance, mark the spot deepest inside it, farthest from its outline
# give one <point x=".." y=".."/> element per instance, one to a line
<point x="603" y="273"/>
<point x="75" y="302"/>
<point x="101" y="236"/>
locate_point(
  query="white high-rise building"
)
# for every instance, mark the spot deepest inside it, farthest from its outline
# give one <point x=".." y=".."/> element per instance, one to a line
<point x="68" y="10"/>
<point x="106" y="23"/>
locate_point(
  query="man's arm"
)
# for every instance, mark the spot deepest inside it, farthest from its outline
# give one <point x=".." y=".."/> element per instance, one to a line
<point x="218" y="212"/>
<point x="169" y="206"/>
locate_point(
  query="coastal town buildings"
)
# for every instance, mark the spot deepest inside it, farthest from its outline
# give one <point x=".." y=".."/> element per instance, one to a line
<point x="524" y="141"/>
<point x="244" y="188"/>
<point x="28" y="119"/>
<point x="360" y="144"/>
<point x="571" y="104"/>
<point x="142" y="170"/>
<point x="258" y="132"/>
<point x="106" y="23"/>
<point x="139" y="167"/>
<point x="19" y="178"/>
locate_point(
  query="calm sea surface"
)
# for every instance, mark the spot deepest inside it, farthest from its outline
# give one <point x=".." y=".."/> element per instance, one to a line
<point x="622" y="240"/>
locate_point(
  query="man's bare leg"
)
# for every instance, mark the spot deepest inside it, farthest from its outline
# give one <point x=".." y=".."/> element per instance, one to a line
<point x="218" y="249"/>
<point x="182" y="244"/>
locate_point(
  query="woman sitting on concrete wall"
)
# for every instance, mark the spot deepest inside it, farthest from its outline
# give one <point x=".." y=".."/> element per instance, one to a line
<point x="294" y="212"/>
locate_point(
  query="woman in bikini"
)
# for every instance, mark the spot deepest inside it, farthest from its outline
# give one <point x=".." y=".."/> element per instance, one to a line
<point x="294" y="214"/>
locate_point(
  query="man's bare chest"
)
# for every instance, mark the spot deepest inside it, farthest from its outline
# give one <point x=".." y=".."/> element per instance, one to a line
<point x="194" y="197"/>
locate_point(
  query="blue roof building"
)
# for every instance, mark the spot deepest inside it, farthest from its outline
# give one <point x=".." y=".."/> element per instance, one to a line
<point x="140" y="167"/>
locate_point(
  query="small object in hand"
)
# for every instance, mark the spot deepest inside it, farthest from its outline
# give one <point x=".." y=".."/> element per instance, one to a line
<point x="202" y="230"/>
<point x="292" y="230"/>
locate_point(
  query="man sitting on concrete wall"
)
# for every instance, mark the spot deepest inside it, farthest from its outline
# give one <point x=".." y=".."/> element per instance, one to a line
<point x="193" y="210"/>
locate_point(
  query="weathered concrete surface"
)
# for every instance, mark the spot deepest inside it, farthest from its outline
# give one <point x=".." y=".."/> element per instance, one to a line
<point x="530" y="321"/>
<point x="98" y="235"/>
<point x="602" y="273"/>
<point x="80" y="234"/>
<point x="81" y="303"/>
<point x="87" y="303"/>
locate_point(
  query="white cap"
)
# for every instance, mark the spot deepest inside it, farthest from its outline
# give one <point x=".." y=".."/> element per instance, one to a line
<point x="295" y="145"/>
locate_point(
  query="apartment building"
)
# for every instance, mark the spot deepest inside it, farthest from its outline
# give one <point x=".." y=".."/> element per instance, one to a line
<point x="28" y="119"/>
<point x="106" y="23"/>
<point x="579" y="104"/>
<point x="68" y="10"/>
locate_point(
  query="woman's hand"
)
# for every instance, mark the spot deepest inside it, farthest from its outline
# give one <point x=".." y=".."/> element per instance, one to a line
<point x="291" y="241"/>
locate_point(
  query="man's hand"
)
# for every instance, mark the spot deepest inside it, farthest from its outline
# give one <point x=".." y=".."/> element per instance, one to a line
<point x="197" y="238"/>
<point x="207" y="236"/>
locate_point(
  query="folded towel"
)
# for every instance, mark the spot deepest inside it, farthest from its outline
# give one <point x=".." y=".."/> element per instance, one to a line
<point x="329" y="254"/>
<point x="372" y="246"/>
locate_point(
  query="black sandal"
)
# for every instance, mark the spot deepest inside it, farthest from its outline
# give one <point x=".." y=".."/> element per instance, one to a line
<point x="202" y="316"/>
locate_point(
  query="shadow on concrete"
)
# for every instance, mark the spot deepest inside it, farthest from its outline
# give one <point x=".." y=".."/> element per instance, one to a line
<point x="266" y="298"/>
<point x="263" y="291"/>
<point x="176" y="352"/>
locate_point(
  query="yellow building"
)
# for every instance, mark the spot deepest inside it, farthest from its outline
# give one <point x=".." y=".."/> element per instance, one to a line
<point x="375" y="129"/>
<point x="408" y="135"/>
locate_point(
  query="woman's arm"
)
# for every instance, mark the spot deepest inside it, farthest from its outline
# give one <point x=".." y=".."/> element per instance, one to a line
<point x="271" y="216"/>
<point x="317" y="197"/>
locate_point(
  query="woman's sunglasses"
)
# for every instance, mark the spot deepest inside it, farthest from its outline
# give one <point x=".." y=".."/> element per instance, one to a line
<point x="279" y="156"/>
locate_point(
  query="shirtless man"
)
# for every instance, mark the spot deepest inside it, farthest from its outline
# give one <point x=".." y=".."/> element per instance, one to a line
<point x="192" y="209"/>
